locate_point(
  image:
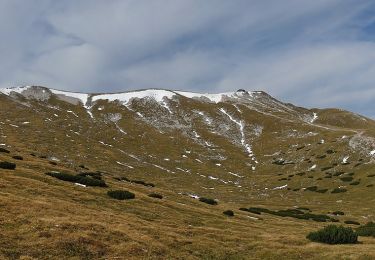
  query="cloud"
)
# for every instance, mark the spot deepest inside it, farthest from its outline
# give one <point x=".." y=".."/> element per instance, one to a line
<point x="312" y="53"/>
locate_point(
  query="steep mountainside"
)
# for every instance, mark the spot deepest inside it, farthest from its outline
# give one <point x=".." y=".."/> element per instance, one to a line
<point x="243" y="149"/>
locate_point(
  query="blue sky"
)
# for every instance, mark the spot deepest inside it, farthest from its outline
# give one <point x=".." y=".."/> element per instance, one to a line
<point x="317" y="53"/>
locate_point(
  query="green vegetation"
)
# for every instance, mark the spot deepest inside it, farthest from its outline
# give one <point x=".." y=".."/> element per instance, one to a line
<point x="208" y="201"/>
<point x="228" y="213"/>
<point x="121" y="194"/>
<point x="80" y="178"/>
<point x="339" y="190"/>
<point x="334" y="235"/>
<point x="155" y="195"/>
<point x="7" y="165"/>
<point x="352" y="222"/>
<point x="367" y="230"/>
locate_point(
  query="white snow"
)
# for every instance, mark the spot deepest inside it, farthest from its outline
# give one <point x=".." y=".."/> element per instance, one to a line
<point x="280" y="187"/>
<point x="7" y="91"/>
<point x="156" y="94"/>
<point x="312" y="167"/>
<point x="216" y="98"/>
<point x="372" y="152"/>
<point x="124" y="164"/>
<point x="345" y="159"/>
<point x="70" y="111"/>
<point x="315" y="117"/>
<point x="79" y="184"/>
<point x="81" y="96"/>
<point x="241" y="125"/>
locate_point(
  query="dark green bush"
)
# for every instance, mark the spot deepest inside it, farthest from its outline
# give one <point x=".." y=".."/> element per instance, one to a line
<point x="326" y="168"/>
<point x="95" y="175"/>
<point x="155" y="195"/>
<point x="355" y="183"/>
<point x="371" y="175"/>
<point x="7" y="165"/>
<point x="367" y="230"/>
<point x="208" y="201"/>
<point x="17" y="157"/>
<point x="64" y="176"/>
<point x="121" y="194"/>
<point x="339" y="190"/>
<point x="322" y="190"/>
<point x="143" y="183"/>
<point x="85" y="180"/>
<point x="334" y="235"/>
<point x="338" y="213"/>
<point x="255" y="210"/>
<point x="346" y="178"/>
<point x="312" y="188"/>
<point x="229" y="213"/>
<point x="352" y="222"/>
<point x="89" y="181"/>
<point x="3" y="150"/>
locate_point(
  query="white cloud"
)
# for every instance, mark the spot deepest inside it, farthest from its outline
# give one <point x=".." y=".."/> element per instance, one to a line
<point x="313" y="53"/>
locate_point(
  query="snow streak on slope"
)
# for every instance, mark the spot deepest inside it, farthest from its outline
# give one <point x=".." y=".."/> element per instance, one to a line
<point x="241" y="125"/>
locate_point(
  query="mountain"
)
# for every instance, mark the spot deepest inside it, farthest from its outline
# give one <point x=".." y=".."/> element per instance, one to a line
<point x="242" y="150"/>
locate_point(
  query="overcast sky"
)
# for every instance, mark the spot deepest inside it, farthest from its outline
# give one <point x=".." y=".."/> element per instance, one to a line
<point x="318" y="53"/>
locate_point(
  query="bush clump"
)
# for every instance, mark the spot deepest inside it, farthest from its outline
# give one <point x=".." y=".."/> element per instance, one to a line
<point x="339" y="190"/>
<point x="7" y="165"/>
<point x="352" y="222"/>
<point x="228" y="213"/>
<point x="17" y="157"/>
<point x="3" y="150"/>
<point x="121" y="194"/>
<point x="208" y="201"/>
<point x="367" y="230"/>
<point x="333" y="234"/>
<point x="81" y="179"/>
<point x="338" y="213"/>
<point x="346" y="178"/>
<point x="155" y="195"/>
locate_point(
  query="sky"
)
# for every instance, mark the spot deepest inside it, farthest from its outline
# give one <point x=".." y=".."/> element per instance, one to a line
<point x="317" y="53"/>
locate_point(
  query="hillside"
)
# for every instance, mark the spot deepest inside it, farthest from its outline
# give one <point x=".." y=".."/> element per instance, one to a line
<point x="242" y="149"/>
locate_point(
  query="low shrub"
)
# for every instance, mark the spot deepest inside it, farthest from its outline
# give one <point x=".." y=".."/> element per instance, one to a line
<point x="208" y="201"/>
<point x="338" y="213"/>
<point x="355" y="183"/>
<point x="333" y="234"/>
<point x="95" y="175"/>
<point x="52" y="163"/>
<point x="3" y="150"/>
<point x="346" y="178"/>
<point x="89" y="181"/>
<point x="352" y="222"/>
<point x="339" y="190"/>
<point x="155" y="195"/>
<point x="121" y="194"/>
<point x="322" y="190"/>
<point x="371" y="175"/>
<point x="312" y="188"/>
<point x="17" y="157"/>
<point x="326" y="168"/>
<point x="228" y="213"/>
<point x="81" y="179"/>
<point x="7" y="165"/>
<point x="367" y="230"/>
<point x="143" y="183"/>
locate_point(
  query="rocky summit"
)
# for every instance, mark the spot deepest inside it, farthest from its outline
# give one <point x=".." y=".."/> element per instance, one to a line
<point x="163" y="174"/>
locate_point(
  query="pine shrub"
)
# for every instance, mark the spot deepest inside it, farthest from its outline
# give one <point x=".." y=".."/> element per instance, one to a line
<point x="333" y="234"/>
<point x="7" y="165"/>
<point x="155" y="195"/>
<point x="208" y="201"/>
<point x="17" y="157"/>
<point x="3" y="150"/>
<point x="229" y="213"/>
<point x="352" y="222"/>
<point x="121" y="194"/>
<point x="367" y="230"/>
<point x="339" y="190"/>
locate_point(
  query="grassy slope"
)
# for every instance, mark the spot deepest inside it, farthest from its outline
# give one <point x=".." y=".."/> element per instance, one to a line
<point x="43" y="217"/>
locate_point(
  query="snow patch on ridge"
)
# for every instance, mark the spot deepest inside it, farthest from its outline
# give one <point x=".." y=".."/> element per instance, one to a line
<point x="157" y="94"/>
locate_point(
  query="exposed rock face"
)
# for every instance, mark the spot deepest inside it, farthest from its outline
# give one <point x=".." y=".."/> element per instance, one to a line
<point x="36" y="92"/>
